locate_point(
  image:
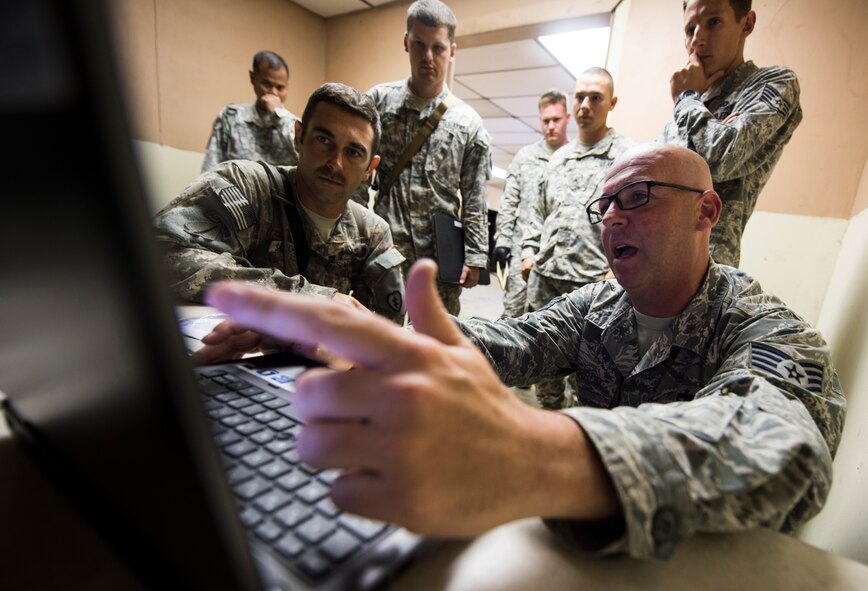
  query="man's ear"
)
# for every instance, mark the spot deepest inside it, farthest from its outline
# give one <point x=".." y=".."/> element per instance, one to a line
<point x="407" y="42"/>
<point x="297" y="140"/>
<point x="252" y="74"/>
<point x="375" y="161"/>
<point x="710" y="207"/>
<point x="614" y="102"/>
<point x="749" y="23"/>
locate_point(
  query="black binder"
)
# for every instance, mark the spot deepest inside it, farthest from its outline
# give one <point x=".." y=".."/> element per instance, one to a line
<point x="449" y="250"/>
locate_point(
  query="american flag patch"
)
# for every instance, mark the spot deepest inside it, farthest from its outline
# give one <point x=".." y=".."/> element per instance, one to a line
<point x="806" y="374"/>
<point x="239" y="207"/>
<point x="773" y="99"/>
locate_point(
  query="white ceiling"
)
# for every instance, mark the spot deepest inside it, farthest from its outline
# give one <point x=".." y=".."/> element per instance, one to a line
<point x="502" y="81"/>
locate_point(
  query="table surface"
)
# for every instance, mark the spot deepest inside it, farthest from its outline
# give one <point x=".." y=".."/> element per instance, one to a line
<point x="40" y="527"/>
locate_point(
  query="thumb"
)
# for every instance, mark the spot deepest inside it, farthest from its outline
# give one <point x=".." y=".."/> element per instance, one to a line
<point x="425" y="308"/>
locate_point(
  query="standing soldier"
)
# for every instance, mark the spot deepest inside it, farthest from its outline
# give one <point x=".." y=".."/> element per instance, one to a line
<point x="734" y="114"/>
<point x="525" y="175"/>
<point x="262" y="130"/>
<point x="561" y="250"/>
<point x="448" y="171"/>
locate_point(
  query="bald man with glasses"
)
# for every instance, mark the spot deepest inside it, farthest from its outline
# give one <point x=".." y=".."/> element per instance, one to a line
<point x="705" y="404"/>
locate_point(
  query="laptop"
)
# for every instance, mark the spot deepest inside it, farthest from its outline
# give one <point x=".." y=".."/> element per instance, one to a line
<point x="98" y="383"/>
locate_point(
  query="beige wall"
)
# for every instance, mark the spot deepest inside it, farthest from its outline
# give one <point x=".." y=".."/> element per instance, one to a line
<point x="186" y="59"/>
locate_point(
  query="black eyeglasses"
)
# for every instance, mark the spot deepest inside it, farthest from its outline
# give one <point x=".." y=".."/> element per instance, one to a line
<point x="630" y="196"/>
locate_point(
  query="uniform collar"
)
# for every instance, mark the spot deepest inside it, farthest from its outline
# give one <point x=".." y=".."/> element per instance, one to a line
<point x="579" y="150"/>
<point x="412" y="102"/>
<point x="614" y="316"/>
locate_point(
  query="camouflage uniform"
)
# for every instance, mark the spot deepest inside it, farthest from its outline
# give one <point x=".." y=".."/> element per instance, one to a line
<point x="741" y="154"/>
<point x="241" y="133"/>
<point x="228" y="225"/>
<point x="455" y="157"/>
<point x="522" y="183"/>
<point x="730" y="422"/>
<point x="566" y="248"/>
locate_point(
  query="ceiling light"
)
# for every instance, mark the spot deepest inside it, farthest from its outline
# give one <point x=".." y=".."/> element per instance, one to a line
<point x="497" y="172"/>
<point x="579" y="50"/>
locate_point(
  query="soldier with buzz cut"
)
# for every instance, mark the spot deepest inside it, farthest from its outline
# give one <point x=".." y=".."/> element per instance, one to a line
<point x="292" y="228"/>
<point x="560" y="250"/>
<point x="522" y="182"/>
<point x="734" y="114"/>
<point x="448" y="172"/>
<point x="722" y="414"/>
<point x="261" y="130"/>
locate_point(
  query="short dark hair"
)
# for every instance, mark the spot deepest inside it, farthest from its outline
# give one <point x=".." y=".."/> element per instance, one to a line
<point x="432" y="13"/>
<point x="553" y="97"/>
<point x="739" y="7"/>
<point x="349" y="99"/>
<point x="603" y="72"/>
<point x="270" y="60"/>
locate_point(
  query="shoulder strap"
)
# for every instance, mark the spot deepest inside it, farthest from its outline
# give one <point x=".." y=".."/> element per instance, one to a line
<point x="428" y="126"/>
<point x="286" y="195"/>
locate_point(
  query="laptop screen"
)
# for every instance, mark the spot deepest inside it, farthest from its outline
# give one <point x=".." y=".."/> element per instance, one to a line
<point x="90" y="358"/>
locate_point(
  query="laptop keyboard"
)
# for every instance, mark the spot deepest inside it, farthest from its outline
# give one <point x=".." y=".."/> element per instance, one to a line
<point x="282" y="501"/>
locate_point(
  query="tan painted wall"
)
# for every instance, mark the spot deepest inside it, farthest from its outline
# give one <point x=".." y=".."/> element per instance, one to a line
<point x="188" y="58"/>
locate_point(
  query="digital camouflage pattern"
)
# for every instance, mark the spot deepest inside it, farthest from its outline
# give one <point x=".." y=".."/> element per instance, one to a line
<point x="743" y="152"/>
<point x="453" y="164"/>
<point x="241" y="133"/>
<point x="559" y="392"/>
<point x="729" y="424"/>
<point x="228" y="224"/>
<point x="564" y="245"/>
<point x="522" y="184"/>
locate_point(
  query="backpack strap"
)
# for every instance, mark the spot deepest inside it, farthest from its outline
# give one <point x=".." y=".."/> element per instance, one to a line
<point x="283" y="191"/>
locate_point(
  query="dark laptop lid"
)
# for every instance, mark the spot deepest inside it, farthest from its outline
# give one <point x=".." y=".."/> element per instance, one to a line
<point x="90" y="358"/>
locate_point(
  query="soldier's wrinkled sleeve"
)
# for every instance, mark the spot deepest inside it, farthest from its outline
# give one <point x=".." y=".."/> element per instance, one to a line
<point x="381" y="285"/>
<point x="763" y="113"/>
<point x="538" y="345"/>
<point x="210" y="230"/>
<point x="753" y="448"/>
<point x="535" y="216"/>
<point x="214" y="153"/>
<point x="504" y="235"/>
<point x="475" y="172"/>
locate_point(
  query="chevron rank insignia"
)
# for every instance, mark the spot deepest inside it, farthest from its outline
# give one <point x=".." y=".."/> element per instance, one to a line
<point x="805" y="374"/>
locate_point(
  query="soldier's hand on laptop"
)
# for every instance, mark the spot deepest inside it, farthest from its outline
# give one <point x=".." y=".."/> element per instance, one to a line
<point x="427" y="435"/>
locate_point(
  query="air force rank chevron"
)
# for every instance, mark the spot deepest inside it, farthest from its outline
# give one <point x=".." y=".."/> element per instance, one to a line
<point x="806" y="374"/>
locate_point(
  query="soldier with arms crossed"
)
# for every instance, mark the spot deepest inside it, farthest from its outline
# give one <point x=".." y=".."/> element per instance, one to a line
<point x="262" y="130"/>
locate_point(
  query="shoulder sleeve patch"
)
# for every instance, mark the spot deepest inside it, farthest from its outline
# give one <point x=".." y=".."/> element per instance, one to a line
<point x="239" y="207"/>
<point x="803" y="373"/>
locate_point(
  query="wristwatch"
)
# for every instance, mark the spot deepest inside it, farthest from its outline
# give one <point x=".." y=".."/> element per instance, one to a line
<point x="689" y="93"/>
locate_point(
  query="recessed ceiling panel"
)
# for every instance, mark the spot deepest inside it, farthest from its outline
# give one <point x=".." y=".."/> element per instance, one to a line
<point x="327" y="8"/>
<point x="462" y="91"/>
<point x="518" y="82"/>
<point x="486" y="108"/>
<point x="521" y="139"/>
<point x="522" y="106"/>
<point x="515" y="55"/>
<point x="505" y="125"/>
